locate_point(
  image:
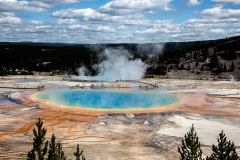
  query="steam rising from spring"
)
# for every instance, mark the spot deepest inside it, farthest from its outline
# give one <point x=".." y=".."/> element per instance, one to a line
<point x="118" y="64"/>
<point x="154" y="48"/>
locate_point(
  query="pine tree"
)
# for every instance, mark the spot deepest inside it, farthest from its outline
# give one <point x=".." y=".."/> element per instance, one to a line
<point x="78" y="154"/>
<point x="60" y="153"/>
<point x="225" y="150"/>
<point x="40" y="147"/>
<point x="191" y="148"/>
<point x="31" y="155"/>
<point x="52" y="152"/>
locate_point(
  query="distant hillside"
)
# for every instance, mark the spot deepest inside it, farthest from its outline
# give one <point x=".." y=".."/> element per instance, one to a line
<point x="198" y="59"/>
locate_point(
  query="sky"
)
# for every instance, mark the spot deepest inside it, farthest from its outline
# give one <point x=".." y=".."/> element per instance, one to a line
<point x="118" y="21"/>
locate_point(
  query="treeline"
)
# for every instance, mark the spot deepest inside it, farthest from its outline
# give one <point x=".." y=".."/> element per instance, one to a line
<point x="41" y="57"/>
<point x="189" y="56"/>
<point x="24" y="58"/>
<point x="36" y="58"/>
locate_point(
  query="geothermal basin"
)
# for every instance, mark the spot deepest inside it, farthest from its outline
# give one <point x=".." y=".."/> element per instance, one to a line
<point x="107" y="99"/>
<point x="149" y="126"/>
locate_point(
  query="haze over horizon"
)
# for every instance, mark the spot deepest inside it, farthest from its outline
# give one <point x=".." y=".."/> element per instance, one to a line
<point x="118" y="21"/>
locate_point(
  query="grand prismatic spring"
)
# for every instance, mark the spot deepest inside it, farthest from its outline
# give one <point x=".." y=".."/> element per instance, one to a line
<point x="103" y="99"/>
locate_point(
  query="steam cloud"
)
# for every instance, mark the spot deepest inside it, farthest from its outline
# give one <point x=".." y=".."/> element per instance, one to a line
<point x="118" y="63"/>
<point x="154" y="48"/>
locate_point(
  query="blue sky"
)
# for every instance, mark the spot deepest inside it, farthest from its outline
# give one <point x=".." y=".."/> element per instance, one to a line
<point x="118" y="21"/>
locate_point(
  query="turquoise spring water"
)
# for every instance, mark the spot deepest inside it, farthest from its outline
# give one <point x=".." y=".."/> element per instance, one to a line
<point x="103" y="99"/>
